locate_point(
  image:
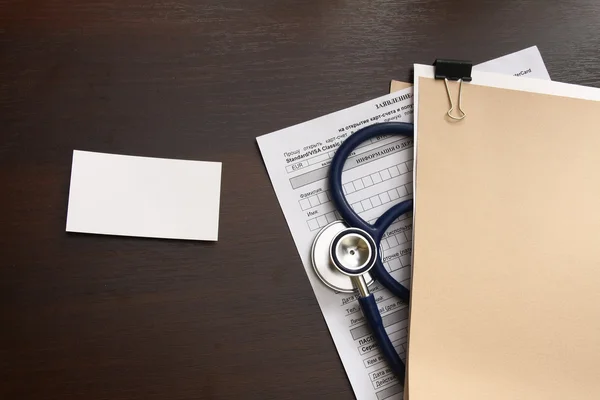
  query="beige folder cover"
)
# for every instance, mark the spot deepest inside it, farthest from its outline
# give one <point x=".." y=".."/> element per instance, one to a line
<point x="398" y="85"/>
<point x="506" y="283"/>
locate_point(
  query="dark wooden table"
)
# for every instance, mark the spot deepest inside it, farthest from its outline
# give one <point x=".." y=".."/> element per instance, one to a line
<point x="94" y="317"/>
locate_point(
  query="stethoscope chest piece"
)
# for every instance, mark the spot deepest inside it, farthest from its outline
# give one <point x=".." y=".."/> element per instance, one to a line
<point x="336" y="241"/>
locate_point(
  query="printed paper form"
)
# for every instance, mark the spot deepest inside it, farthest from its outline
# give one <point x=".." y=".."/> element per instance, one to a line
<point x="377" y="176"/>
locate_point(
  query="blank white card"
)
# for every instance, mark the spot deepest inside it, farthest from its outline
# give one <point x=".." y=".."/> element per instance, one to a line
<point x="124" y="195"/>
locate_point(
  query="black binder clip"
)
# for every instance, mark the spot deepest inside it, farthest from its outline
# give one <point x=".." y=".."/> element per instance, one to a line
<point x="453" y="70"/>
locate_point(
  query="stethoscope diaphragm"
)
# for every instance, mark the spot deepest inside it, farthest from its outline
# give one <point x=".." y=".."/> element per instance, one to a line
<point x="324" y="267"/>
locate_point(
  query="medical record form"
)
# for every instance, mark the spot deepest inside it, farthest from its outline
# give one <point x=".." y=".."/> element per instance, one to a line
<point x="378" y="175"/>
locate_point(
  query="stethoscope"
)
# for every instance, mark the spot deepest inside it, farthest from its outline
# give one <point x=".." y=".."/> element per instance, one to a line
<point x="346" y="255"/>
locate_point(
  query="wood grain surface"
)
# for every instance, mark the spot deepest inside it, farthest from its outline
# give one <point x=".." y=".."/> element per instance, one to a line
<point x="101" y="317"/>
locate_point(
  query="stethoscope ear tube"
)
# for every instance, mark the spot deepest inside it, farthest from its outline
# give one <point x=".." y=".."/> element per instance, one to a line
<point x="337" y="167"/>
<point x="371" y="313"/>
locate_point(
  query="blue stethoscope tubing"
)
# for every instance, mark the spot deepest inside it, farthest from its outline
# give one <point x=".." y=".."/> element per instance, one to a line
<point x="376" y="231"/>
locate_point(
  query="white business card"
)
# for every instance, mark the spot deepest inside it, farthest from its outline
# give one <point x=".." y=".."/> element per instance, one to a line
<point x="126" y="195"/>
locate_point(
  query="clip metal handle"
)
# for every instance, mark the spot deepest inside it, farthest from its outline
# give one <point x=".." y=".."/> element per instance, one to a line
<point x="460" y="110"/>
<point x="454" y="70"/>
